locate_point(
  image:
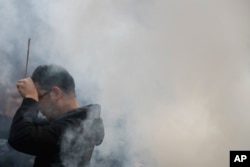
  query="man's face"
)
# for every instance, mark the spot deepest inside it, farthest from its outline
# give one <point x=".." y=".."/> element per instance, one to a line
<point x="46" y="104"/>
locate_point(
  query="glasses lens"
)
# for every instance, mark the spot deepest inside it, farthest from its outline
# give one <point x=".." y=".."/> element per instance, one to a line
<point x="42" y="95"/>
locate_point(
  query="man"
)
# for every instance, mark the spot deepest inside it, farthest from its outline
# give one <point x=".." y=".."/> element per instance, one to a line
<point x="69" y="134"/>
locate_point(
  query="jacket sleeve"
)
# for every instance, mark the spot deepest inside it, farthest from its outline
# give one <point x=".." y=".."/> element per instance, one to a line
<point x="27" y="136"/>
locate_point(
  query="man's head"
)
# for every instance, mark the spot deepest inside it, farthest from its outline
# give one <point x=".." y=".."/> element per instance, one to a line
<point x="48" y="76"/>
<point x="56" y="89"/>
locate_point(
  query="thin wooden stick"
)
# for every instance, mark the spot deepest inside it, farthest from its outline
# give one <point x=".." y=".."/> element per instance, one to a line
<point x="27" y="60"/>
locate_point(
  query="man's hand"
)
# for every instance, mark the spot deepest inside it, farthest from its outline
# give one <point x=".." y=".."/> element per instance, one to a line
<point x="27" y="88"/>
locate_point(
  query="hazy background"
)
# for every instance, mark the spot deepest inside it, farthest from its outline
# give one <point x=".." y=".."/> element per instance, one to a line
<point x="173" y="77"/>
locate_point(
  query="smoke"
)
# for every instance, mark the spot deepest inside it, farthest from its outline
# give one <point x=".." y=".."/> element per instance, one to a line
<point x="74" y="147"/>
<point x="172" y="76"/>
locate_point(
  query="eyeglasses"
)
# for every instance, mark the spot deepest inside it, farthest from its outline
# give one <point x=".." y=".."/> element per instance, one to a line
<point x="42" y="95"/>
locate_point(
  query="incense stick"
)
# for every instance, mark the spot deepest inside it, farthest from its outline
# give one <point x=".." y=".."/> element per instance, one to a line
<point x="27" y="60"/>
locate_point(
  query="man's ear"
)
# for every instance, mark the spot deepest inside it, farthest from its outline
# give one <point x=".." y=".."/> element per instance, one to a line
<point x="56" y="92"/>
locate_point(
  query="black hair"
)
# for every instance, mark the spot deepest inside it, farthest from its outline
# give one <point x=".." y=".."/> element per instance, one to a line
<point x="47" y="76"/>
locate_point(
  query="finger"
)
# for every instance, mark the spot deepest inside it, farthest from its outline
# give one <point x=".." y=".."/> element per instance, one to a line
<point x="18" y="87"/>
<point x="19" y="84"/>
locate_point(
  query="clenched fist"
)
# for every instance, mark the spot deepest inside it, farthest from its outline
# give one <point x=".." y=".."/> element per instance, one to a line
<point x="27" y="88"/>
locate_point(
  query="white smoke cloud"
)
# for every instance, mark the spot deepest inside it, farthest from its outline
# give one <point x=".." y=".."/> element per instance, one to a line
<point x="172" y="76"/>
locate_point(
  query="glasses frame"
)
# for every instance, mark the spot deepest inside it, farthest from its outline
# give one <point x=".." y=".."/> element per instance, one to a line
<point x="44" y="94"/>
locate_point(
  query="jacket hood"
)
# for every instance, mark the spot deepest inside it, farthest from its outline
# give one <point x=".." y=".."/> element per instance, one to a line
<point x="91" y="122"/>
<point x="85" y="131"/>
<point x="94" y="123"/>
